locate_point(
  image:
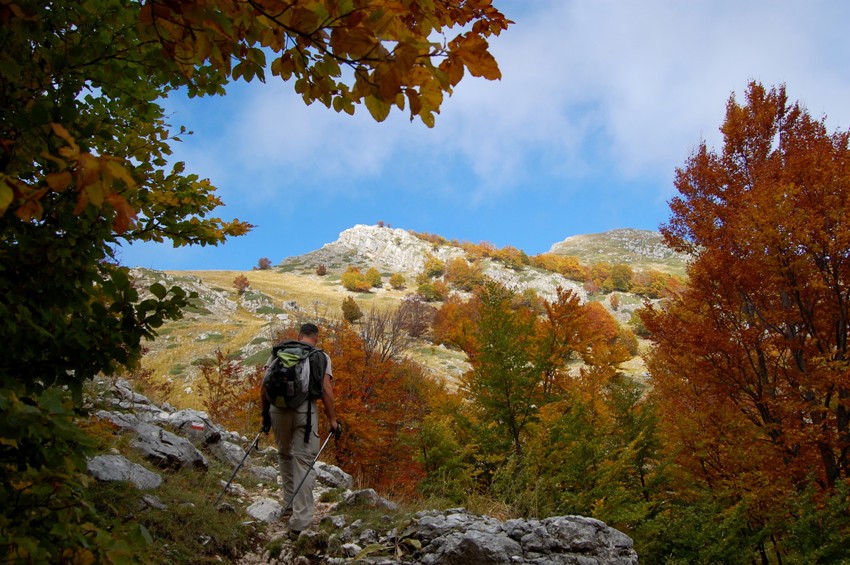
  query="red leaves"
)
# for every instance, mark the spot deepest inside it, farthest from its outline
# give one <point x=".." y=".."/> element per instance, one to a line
<point x="755" y="350"/>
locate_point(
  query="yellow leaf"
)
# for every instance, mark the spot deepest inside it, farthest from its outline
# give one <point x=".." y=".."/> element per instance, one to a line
<point x="58" y="181"/>
<point x="60" y="131"/>
<point x="356" y="43"/>
<point x="120" y="172"/>
<point x="477" y="58"/>
<point x="453" y="67"/>
<point x="7" y="195"/>
<point x="124" y="213"/>
<point x="378" y="108"/>
<point x="388" y="79"/>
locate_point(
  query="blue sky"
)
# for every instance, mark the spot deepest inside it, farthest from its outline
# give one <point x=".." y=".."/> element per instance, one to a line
<point x="599" y="102"/>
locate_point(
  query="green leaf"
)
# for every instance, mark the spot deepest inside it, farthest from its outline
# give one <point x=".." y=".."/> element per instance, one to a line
<point x="370" y="549"/>
<point x="158" y="290"/>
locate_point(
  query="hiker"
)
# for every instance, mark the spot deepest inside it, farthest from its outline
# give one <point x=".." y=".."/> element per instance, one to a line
<point x="295" y="424"/>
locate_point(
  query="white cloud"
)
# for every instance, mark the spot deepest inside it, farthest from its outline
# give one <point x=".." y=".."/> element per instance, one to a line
<point x="645" y="80"/>
<point x="589" y="88"/>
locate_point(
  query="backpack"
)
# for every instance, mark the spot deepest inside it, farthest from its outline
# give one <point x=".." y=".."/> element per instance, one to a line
<point x="295" y="374"/>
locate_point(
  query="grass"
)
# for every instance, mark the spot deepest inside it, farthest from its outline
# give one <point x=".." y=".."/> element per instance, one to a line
<point x="190" y="529"/>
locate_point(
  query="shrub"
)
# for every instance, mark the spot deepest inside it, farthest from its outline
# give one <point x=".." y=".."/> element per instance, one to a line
<point x="433" y="267"/>
<point x="433" y="291"/>
<point x="373" y="275"/>
<point x="351" y="312"/>
<point x="397" y="281"/>
<point x="264" y="264"/>
<point x="321" y="270"/>
<point x="241" y="284"/>
<point x="352" y="279"/>
<point x="463" y="275"/>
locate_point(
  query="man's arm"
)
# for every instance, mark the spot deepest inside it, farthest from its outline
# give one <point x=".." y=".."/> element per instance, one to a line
<point x="328" y="400"/>
<point x="265" y="404"/>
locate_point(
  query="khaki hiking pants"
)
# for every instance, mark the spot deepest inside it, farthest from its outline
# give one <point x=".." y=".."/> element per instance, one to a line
<point x="294" y="457"/>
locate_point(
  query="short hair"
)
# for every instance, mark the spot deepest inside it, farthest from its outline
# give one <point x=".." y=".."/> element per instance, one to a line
<point x="309" y="329"/>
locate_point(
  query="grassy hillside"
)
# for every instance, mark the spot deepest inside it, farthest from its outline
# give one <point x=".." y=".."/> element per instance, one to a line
<point x="641" y="249"/>
<point x="242" y="326"/>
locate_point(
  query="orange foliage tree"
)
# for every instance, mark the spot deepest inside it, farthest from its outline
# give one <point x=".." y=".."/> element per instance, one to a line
<point x="750" y="362"/>
<point x="381" y="400"/>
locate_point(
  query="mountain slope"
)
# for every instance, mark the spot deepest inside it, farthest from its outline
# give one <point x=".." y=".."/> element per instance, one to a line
<point x="243" y="325"/>
<point x="640" y="249"/>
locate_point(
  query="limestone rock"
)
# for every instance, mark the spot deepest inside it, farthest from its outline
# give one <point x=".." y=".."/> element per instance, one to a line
<point x="265" y="510"/>
<point x="333" y="476"/>
<point x="167" y="450"/>
<point x="119" y="468"/>
<point x="367" y="497"/>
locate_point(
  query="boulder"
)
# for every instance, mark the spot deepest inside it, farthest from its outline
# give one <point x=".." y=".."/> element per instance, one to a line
<point x="266" y="510"/>
<point x="119" y="468"/>
<point x="227" y="452"/>
<point x="333" y="476"/>
<point x="267" y="474"/>
<point x="473" y="547"/>
<point x="123" y="420"/>
<point x="194" y="425"/>
<point x="367" y="497"/>
<point x="166" y="450"/>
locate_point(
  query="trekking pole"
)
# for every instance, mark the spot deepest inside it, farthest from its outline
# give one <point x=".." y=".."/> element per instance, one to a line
<point x="310" y="468"/>
<point x="236" y="470"/>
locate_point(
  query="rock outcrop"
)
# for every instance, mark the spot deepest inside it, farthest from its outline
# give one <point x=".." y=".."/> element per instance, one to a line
<point x="458" y="537"/>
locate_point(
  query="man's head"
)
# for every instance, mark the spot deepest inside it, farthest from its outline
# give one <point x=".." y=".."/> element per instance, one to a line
<point x="309" y="333"/>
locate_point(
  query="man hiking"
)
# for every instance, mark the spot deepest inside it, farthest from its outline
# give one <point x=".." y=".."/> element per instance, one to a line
<point x="297" y="374"/>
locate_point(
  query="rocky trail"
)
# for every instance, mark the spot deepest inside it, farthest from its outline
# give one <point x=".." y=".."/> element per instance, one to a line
<point x="350" y="526"/>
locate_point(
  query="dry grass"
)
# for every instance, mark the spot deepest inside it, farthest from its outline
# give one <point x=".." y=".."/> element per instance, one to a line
<point x="174" y="355"/>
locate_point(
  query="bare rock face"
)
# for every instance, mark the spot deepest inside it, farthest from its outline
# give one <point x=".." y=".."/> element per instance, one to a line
<point x="387" y="249"/>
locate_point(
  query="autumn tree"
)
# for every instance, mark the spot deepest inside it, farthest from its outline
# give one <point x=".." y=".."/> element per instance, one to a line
<point x="456" y="322"/>
<point x="264" y="264"/>
<point x="416" y="316"/>
<point x="433" y="267"/>
<point x="462" y="274"/>
<point x="381" y="401"/>
<point x="84" y="169"/>
<point x="230" y="393"/>
<point x="384" y="334"/>
<point x="750" y="361"/>
<point x="621" y="278"/>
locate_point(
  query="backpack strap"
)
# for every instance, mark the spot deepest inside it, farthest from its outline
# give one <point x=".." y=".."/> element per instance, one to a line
<point x="322" y="366"/>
